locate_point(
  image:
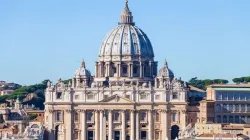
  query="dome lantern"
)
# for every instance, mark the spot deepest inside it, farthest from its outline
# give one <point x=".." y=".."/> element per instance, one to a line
<point x="126" y="15"/>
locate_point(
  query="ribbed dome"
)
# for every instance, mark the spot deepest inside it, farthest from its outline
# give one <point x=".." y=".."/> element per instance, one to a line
<point x="126" y="39"/>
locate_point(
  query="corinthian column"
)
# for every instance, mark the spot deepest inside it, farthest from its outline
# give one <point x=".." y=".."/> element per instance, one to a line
<point x="137" y="125"/>
<point x="97" y="128"/>
<point x="83" y="112"/>
<point x="123" y="126"/>
<point x="132" y="127"/>
<point x="69" y="124"/>
<point x="110" y="125"/>
<point x="101" y="125"/>
<point x="150" y="125"/>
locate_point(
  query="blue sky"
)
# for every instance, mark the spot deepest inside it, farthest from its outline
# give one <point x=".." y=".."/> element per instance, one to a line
<point x="47" y="39"/>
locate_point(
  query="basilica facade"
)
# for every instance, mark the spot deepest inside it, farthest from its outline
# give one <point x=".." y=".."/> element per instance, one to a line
<point x="126" y="99"/>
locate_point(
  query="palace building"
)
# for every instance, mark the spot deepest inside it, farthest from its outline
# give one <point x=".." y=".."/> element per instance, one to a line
<point x="126" y="99"/>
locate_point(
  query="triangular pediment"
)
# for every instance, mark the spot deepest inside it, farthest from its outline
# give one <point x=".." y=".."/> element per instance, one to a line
<point x="116" y="99"/>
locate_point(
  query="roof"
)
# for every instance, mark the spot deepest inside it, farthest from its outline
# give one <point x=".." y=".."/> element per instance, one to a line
<point x="222" y="135"/>
<point x="195" y="88"/>
<point x="230" y="85"/>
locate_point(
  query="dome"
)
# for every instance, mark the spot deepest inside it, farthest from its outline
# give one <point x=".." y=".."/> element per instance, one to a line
<point x="126" y="39"/>
<point x="165" y="71"/>
<point x="82" y="72"/>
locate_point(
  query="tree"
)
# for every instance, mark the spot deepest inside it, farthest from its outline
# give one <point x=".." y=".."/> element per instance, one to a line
<point x="202" y="84"/>
<point x="242" y="80"/>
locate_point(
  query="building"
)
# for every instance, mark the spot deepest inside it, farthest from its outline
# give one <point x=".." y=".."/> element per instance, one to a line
<point x="6" y="92"/>
<point x="232" y="102"/>
<point x="127" y="98"/>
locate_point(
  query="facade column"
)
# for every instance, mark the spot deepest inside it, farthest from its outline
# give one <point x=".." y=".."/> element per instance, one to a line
<point x="83" y="132"/>
<point x="110" y="125"/>
<point x="164" y="125"/>
<point x="97" y="128"/>
<point x="150" y="125"/>
<point x="138" y="125"/>
<point x="96" y="69"/>
<point x="101" y="125"/>
<point x="123" y="125"/>
<point x="50" y="123"/>
<point x="183" y="119"/>
<point x="132" y="69"/>
<point x="69" y="123"/>
<point x="132" y="125"/>
<point x="141" y="70"/>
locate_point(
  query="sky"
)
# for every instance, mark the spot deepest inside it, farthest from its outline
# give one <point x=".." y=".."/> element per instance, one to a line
<point x="47" y="39"/>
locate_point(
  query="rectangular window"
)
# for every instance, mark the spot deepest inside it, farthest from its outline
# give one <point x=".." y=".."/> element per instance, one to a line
<point x="124" y="70"/>
<point x="90" y="97"/>
<point x="106" y="96"/>
<point x="128" y="96"/>
<point x="59" y="116"/>
<point x="59" y="95"/>
<point x="175" y="95"/>
<point x="135" y="70"/>
<point x="157" y="97"/>
<point x="76" y="134"/>
<point x="143" y="116"/>
<point x="76" y="97"/>
<point x="143" y="96"/>
<point x="127" y="116"/>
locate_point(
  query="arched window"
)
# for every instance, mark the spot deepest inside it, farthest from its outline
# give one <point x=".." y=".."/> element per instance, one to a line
<point x="224" y="119"/>
<point x="243" y="119"/>
<point x="225" y="108"/>
<point x="76" y="117"/>
<point x="90" y="116"/>
<point x="157" y="116"/>
<point x="230" y="108"/>
<point x="248" y="119"/>
<point x="218" y="107"/>
<point x="248" y="107"/>
<point x="237" y="119"/>
<point x="230" y="96"/>
<point x="242" y="108"/>
<point x="175" y="117"/>
<point x="218" y="119"/>
<point x="231" y="119"/>
<point x="236" y="96"/>
<point x="236" y="108"/>
<point x="224" y="96"/>
<point x="76" y="134"/>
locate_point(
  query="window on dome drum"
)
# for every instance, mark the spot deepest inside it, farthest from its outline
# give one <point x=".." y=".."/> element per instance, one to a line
<point x="90" y="97"/>
<point x="76" y="117"/>
<point x="76" y="134"/>
<point x="175" y="95"/>
<point x="59" y="95"/>
<point x="143" y="116"/>
<point x="143" y="96"/>
<point x="90" y="116"/>
<point x="59" y="116"/>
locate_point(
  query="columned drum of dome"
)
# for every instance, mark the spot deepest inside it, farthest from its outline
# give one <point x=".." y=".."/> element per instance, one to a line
<point x="126" y="52"/>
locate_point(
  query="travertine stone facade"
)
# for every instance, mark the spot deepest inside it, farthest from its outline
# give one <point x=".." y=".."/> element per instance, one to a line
<point x="127" y="99"/>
